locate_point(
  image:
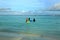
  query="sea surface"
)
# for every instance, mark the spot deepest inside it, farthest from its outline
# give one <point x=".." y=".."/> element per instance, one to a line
<point x="45" y="27"/>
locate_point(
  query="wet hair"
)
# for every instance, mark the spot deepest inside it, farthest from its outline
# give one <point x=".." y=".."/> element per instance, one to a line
<point x="33" y="19"/>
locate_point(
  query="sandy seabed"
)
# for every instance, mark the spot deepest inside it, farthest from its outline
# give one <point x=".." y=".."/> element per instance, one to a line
<point x="23" y="36"/>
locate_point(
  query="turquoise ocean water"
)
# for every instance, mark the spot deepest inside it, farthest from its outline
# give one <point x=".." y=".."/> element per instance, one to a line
<point x="44" y="25"/>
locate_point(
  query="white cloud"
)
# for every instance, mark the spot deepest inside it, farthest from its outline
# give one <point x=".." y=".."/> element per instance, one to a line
<point x="55" y="7"/>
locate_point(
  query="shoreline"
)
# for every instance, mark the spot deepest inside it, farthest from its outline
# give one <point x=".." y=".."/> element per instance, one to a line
<point x="17" y="36"/>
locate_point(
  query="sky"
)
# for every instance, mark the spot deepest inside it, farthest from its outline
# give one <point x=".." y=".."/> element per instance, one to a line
<point x="29" y="5"/>
<point x="21" y="4"/>
<point x="25" y="5"/>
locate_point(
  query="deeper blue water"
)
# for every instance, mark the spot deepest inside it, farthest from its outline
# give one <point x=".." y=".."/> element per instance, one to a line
<point x="44" y="25"/>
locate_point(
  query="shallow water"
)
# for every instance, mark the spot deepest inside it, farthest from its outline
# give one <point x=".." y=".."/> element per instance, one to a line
<point x="45" y="26"/>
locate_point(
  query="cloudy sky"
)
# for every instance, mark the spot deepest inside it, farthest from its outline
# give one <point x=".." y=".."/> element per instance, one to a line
<point x="24" y="5"/>
<point x="30" y="5"/>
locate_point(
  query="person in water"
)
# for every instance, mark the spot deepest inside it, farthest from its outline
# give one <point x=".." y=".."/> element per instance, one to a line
<point x="30" y="20"/>
<point x="27" y="20"/>
<point x="33" y="19"/>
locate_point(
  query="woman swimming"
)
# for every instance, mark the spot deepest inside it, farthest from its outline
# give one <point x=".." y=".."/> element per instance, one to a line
<point x="27" y="20"/>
